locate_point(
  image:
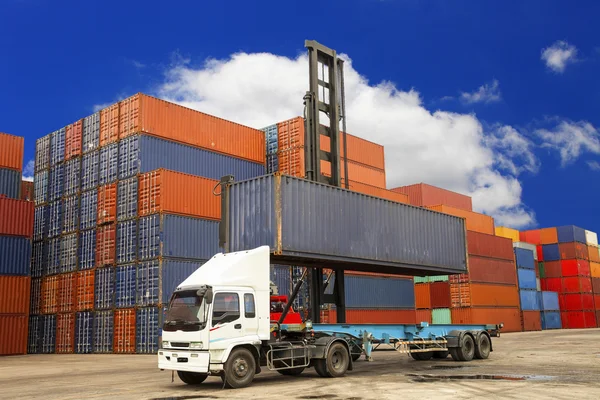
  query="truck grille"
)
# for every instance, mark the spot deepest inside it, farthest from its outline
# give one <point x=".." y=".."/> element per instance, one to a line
<point x="179" y="344"/>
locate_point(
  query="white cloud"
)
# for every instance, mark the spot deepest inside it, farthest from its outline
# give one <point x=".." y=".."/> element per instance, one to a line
<point x="138" y="64"/>
<point x="27" y="178"/>
<point x="487" y="93"/>
<point x="442" y="148"/>
<point x="28" y="171"/>
<point x="594" y="165"/>
<point x="98" y="107"/>
<point x="571" y="139"/>
<point x="559" y="55"/>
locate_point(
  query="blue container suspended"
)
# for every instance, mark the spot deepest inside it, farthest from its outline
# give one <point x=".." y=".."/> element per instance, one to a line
<point x="127" y="199"/>
<point x="524" y="258"/>
<point x="70" y="214"/>
<point x="91" y="133"/>
<point x="551" y="252"/>
<point x="378" y="292"/>
<point x="41" y="181"/>
<point x="41" y="222"/>
<point x="87" y="249"/>
<point x="56" y="185"/>
<point x="68" y="253"/>
<point x="89" y="170"/>
<point x="109" y="163"/>
<point x="529" y="300"/>
<point x="103" y="331"/>
<point x="84" y="324"/>
<point x="281" y="276"/>
<point x="34" y="335"/>
<point x="48" y="333"/>
<point x="53" y="263"/>
<point x="551" y="320"/>
<point x="125" y="286"/>
<point x="89" y="209"/>
<point x="127" y="241"/>
<point x="570" y="233"/>
<point x="15" y="255"/>
<point x="148" y="329"/>
<point x="526" y="278"/>
<point x="104" y="288"/>
<point x="55" y="218"/>
<point x="42" y="153"/>
<point x="72" y="177"/>
<point x="39" y="259"/>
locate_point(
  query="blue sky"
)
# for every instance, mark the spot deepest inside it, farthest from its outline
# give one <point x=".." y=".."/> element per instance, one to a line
<point x="496" y="99"/>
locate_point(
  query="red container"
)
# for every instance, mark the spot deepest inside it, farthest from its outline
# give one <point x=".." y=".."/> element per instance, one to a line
<point x="11" y="151"/>
<point x="67" y="292"/>
<point x="109" y="124"/>
<point x="423" y="316"/>
<point x="573" y="250"/>
<point x="577" y="285"/>
<point x="540" y="253"/>
<point x="16" y="217"/>
<point x="576" y="301"/>
<point x="597" y="302"/>
<point x="488" y="295"/>
<point x="27" y="191"/>
<point x="107" y="204"/>
<point x="65" y="333"/>
<point x="14" y="294"/>
<point x="424" y="195"/>
<point x="480" y="244"/>
<point x="578" y="319"/>
<point x="596" y="285"/>
<point x="575" y="268"/>
<point x="489" y="270"/>
<point x="35" y="306"/>
<point x="551" y="284"/>
<point x="124" y="331"/>
<point x="532" y="321"/>
<point x="510" y="317"/>
<point x="533" y="236"/>
<point x="105" y="245"/>
<point x="459" y="278"/>
<point x="50" y="287"/>
<point x="13" y="340"/>
<point x="440" y="294"/>
<point x="422" y="296"/>
<point x="73" y="140"/>
<point x="85" y="290"/>
<point x="380" y="316"/>
<point x="460" y="294"/>
<point x="553" y="269"/>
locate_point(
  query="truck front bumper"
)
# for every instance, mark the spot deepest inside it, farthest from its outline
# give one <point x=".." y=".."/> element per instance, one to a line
<point x="177" y="360"/>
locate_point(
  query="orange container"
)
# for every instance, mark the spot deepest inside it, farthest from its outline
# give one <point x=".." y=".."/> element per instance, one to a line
<point x="16" y="217"/>
<point x="177" y="193"/>
<point x="67" y="292"/>
<point x="510" y="317"/>
<point x="475" y="222"/>
<point x="144" y="114"/>
<point x="124" y="331"/>
<point x="377" y="192"/>
<point x="548" y="236"/>
<point x="597" y="302"/>
<point x="14" y="294"/>
<point x="35" y="303"/>
<point x="423" y="316"/>
<point x="26" y="191"/>
<point x="50" y="287"/>
<point x="85" y="290"/>
<point x="11" y="151"/>
<point x="358" y="173"/>
<point x="491" y="270"/>
<point x="65" y="333"/>
<point x="109" y="124"/>
<point x="107" y="204"/>
<point x="105" y="245"/>
<point x="460" y="294"/>
<point x="486" y="295"/>
<point x="595" y="269"/>
<point x="423" y="295"/>
<point x="533" y="236"/>
<point x="594" y="254"/>
<point x="73" y="140"/>
<point x="531" y="321"/>
<point x="13" y="340"/>
<point x="423" y="195"/>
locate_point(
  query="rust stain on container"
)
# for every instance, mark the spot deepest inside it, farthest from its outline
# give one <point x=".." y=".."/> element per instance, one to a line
<point x="105" y="245"/>
<point x="124" y="331"/>
<point x="13" y="340"/>
<point x="65" y="333"/>
<point x="510" y="317"/>
<point x="573" y="250"/>
<point x="73" y="140"/>
<point x="422" y="296"/>
<point x="475" y="222"/>
<point x="27" y="191"/>
<point x="109" y="124"/>
<point x="50" y="287"/>
<point x="14" y="294"/>
<point x="11" y="151"/>
<point x="488" y="295"/>
<point x="16" y="217"/>
<point x="107" y="204"/>
<point x="424" y="195"/>
<point x="67" y="292"/>
<point x="85" y="290"/>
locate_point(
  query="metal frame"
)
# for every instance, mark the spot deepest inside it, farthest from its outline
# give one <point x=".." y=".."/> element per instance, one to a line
<point x="287" y="356"/>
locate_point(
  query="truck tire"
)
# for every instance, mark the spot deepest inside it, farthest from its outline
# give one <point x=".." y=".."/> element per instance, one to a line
<point x="321" y="368"/>
<point x="466" y="351"/>
<point x="483" y="347"/>
<point x="191" y="378"/>
<point x="291" y="371"/>
<point x="422" y="356"/>
<point x="240" y="368"/>
<point x="337" y="361"/>
<point x="440" y="354"/>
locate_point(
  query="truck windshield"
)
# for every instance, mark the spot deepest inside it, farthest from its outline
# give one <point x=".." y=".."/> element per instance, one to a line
<point x="186" y="312"/>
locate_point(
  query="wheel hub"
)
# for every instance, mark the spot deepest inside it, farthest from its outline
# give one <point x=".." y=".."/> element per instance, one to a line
<point x="240" y="367"/>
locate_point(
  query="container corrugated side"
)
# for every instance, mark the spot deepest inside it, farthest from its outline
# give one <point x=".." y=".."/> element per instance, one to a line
<point x="87" y="249"/>
<point x="50" y="291"/>
<point x="441" y="316"/>
<point x="124" y="331"/>
<point x="104" y="288"/>
<point x="329" y="225"/>
<point x="109" y="124"/>
<point x="16" y="217"/>
<point x="42" y="153"/>
<point x="127" y="242"/>
<point x="510" y="317"/>
<point x="524" y="258"/>
<point x="483" y="245"/>
<point x="14" y="334"/>
<point x="85" y="291"/>
<point x="571" y="233"/>
<point x="65" y="333"/>
<point x="14" y="294"/>
<point x="532" y="321"/>
<point x="10" y="183"/>
<point x="53" y="260"/>
<point x="89" y="209"/>
<point x="158" y="279"/>
<point x="551" y="320"/>
<point x="68" y="253"/>
<point x="67" y="292"/>
<point x="440" y="295"/>
<point x="549" y="301"/>
<point x="527" y="279"/>
<point x="72" y="177"/>
<point x="148" y="329"/>
<point x="90" y="170"/>
<point x="424" y="195"/>
<point x="281" y="276"/>
<point x="422" y="296"/>
<point x="40" y="186"/>
<point x="11" y="155"/>
<point x="487" y="295"/>
<point x="127" y="199"/>
<point x="35" y="302"/>
<point x="377" y="192"/>
<point x="366" y="292"/>
<point x="71" y="214"/>
<point x="548" y="236"/>
<point x="106" y="237"/>
<point x="84" y="323"/>
<point x="376" y="316"/>
<point x="34" y="337"/>
<point x="125" y="286"/>
<point x="55" y="211"/>
<point x="56" y="182"/>
<point x="573" y="250"/>
<point x="103" y="331"/>
<point x="57" y="147"/>
<point x="529" y="300"/>
<point x="73" y="140"/>
<point x="107" y="204"/>
<point x="15" y="255"/>
<point x="91" y="133"/>
<point x="490" y="270"/>
<point x="48" y="333"/>
<point x="109" y="164"/>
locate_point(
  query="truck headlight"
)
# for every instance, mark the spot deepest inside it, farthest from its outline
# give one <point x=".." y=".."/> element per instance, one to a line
<point x="195" y="345"/>
<point x="165" y="344"/>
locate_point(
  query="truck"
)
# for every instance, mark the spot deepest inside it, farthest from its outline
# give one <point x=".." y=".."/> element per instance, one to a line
<point x="219" y="322"/>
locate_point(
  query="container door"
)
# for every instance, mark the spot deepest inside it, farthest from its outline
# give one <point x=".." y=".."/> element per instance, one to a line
<point x="226" y="321"/>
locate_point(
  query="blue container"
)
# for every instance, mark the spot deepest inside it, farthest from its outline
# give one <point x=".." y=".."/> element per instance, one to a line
<point x="526" y="278"/>
<point x="103" y="331"/>
<point x="551" y="320"/>
<point x="147" y="330"/>
<point x="10" y="183"/>
<point x="48" y="334"/>
<point x="177" y="236"/>
<point x="154" y="153"/>
<point x="89" y="170"/>
<point x="39" y="259"/>
<point x="34" y="336"/>
<point x="41" y="180"/>
<point x="91" y="133"/>
<point x="55" y="217"/>
<point x="127" y="242"/>
<point x="549" y="301"/>
<point x="173" y="272"/>
<point x="281" y="276"/>
<point x="70" y="214"/>
<point x="127" y="199"/>
<point x="125" y="285"/>
<point x="72" y="177"/>
<point x="53" y="264"/>
<point x="377" y="292"/>
<point x="271" y="139"/>
<point x="104" y="288"/>
<point x="68" y="253"/>
<point x="57" y="147"/>
<point x="15" y="255"/>
<point x="42" y="153"/>
<point x="551" y="252"/>
<point x="89" y="209"/>
<point x="272" y="163"/>
<point x="87" y="249"/>
<point x="84" y="323"/>
<point x="524" y="258"/>
<point x="300" y="219"/>
<point x="570" y="233"/>
<point x="40" y="222"/>
<point x="56" y="185"/>
<point x="109" y="163"/>
<point x="529" y="300"/>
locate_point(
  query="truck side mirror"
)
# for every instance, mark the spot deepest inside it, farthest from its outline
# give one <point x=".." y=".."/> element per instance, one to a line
<point x="209" y="296"/>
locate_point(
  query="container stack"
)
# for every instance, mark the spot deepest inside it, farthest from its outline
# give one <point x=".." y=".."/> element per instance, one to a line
<point x="125" y="211"/>
<point x="16" y="226"/>
<point x="432" y="299"/>
<point x="531" y="319"/>
<point x="550" y="310"/>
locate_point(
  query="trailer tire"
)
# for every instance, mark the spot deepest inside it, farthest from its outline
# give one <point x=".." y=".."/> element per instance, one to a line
<point x="422" y="356"/>
<point x="239" y="369"/>
<point x="483" y="347"/>
<point x="466" y="351"/>
<point x="440" y="354"/>
<point x="337" y="360"/>
<point x="453" y="352"/>
<point x="191" y="378"/>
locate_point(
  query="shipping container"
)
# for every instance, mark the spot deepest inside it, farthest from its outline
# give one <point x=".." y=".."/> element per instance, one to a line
<point x="109" y="164"/>
<point x="67" y="292"/>
<point x="90" y="170"/>
<point x="87" y="249"/>
<point x="441" y="316"/>
<point x="576" y="285"/>
<point x="27" y="191"/>
<point x="527" y="246"/>
<point x="474" y="221"/>
<point x="423" y="316"/>
<point x="532" y="236"/>
<point x="510" y="317"/>
<point x="465" y="278"/>
<point x="127" y="242"/>
<point x="361" y="242"/>
<point x="551" y="320"/>
<point x="367" y="292"/>
<point x="489" y="270"/>
<point x="72" y="177"/>
<point x="68" y="253"/>
<point x="376" y="316"/>
<point x="106" y="236"/>
<point x="42" y="153"/>
<point x="57" y="147"/>
<point x="571" y="233"/>
<point x="423" y="296"/>
<point x="272" y="163"/>
<point x="55" y="219"/>
<point x="14" y="294"/>
<point x="144" y="114"/>
<point x="508" y="233"/>
<point x="552" y="284"/>
<point x="578" y="319"/>
<point x="65" y="333"/>
<point x="125" y="286"/>
<point x="50" y="293"/>
<point x="124" y="331"/>
<point x="56" y="182"/>
<point x="532" y="321"/>
<point x="356" y="172"/>
<point x="526" y="279"/>
<point x="576" y="301"/>
<point x="107" y="204"/>
<point x="424" y="195"/>
<point x="53" y="260"/>
<point x="127" y="199"/>
<point x="548" y="236"/>
<point x="440" y="295"/>
<point x="41" y="180"/>
<point x="524" y="259"/>
<point x="597" y="302"/>
<point x="104" y="288"/>
<point x="85" y="291"/>
<point x="73" y="140"/>
<point x="177" y="193"/>
<point x="16" y="217"/>
<point x="594" y="254"/>
<point x="540" y="253"/>
<point x="575" y="268"/>
<point x="553" y="269"/>
<point x="11" y="156"/>
<point x="529" y="300"/>
<point x="573" y="250"/>
<point x="84" y="324"/>
<point x="70" y="214"/>
<point x="591" y="238"/>
<point x="103" y="331"/>
<point x="14" y="334"/>
<point x="484" y="245"/>
<point x="460" y="294"/>
<point x="487" y="295"/>
<point x="109" y="124"/>
<point x="551" y="252"/>
<point x="158" y="279"/>
<point x="89" y="207"/>
<point x="15" y="255"/>
<point x="91" y="133"/>
<point x="48" y="333"/>
<point x="271" y="138"/>
<point x="596" y="285"/>
<point x="35" y="300"/>
<point x="10" y="183"/>
<point x="549" y="301"/>
<point x="177" y="236"/>
<point x="148" y="330"/>
<point x="34" y="336"/>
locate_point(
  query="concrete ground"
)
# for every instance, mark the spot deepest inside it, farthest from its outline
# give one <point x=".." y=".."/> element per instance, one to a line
<point x="552" y="364"/>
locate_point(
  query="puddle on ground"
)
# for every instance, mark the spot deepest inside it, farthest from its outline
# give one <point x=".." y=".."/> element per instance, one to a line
<point x="185" y="397"/>
<point x="438" y="378"/>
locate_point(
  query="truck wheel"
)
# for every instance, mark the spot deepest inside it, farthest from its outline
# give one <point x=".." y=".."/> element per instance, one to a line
<point x="482" y="350"/>
<point x="321" y="368"/>
<point x="453" y="352"/>
<point x="291" y="371"/>
<point x="240" y="369"/>
<point x="191" y="378"/>
<point x="422" y="356"/>
<point x="337" y="361"/>
<point x="440" y="354"/>
<point x="466" y="351"/>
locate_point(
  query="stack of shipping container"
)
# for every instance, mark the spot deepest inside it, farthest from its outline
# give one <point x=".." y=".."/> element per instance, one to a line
<point x="16" y="225"/>
<point x="531" y="319"/>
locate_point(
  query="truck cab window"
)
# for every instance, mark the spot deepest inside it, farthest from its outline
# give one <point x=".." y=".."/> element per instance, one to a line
<point x="226" y="308"/>
<point x="249" y="311"/>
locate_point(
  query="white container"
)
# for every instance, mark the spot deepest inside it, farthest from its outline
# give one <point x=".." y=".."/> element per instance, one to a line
<point x="591" y="238"/>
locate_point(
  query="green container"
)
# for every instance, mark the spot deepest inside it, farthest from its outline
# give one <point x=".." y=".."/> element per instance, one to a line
<point x="439" y="278"/>
<point x="441" y="316"/>
<point x="421" y="279"/>
<point x="542" y="270"/>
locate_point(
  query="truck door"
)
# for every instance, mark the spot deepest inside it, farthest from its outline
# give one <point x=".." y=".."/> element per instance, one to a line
<point x="226" y="321"/>
<point x="250" y="327"/>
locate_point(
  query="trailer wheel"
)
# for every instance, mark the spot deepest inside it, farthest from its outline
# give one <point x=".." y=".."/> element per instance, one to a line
<point x="291" y="371"/>
<point x="422" y="356"/>
<point x="440" y="354"/>
<point x="321" y="368"/>
<point x="240" y="369"/>
<point x="191" y="378"/>
<point x="482" y="350"/>
<point x="466" y="351"/>
<point x="337" y="361"/>
<point x="453" y="352"/>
